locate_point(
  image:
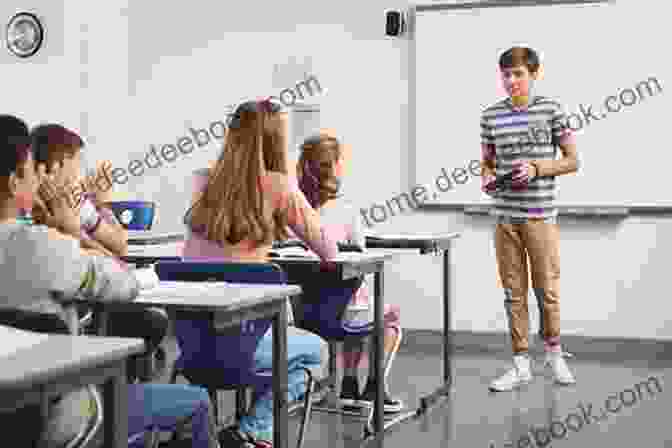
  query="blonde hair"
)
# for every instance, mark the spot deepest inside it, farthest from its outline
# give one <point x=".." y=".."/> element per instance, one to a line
<point x="233" y="207"/>
<point x="315" y="169"/>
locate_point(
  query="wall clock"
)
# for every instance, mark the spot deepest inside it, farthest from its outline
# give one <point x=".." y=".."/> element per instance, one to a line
<point x="24" y="34"/>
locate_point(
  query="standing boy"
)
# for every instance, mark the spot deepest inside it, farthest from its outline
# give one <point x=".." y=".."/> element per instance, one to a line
<point x="524" y="208"/>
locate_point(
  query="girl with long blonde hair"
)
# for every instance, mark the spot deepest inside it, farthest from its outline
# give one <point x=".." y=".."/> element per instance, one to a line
<point x="241" y="204"/>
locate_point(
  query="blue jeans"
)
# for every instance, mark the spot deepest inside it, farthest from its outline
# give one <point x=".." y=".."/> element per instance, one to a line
<point x="303" y="350"/>
<point x="166" y="405"/>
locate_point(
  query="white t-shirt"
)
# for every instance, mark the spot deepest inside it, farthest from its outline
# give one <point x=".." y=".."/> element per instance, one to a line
<point x="34" y="263"/>
<point x="342" y="222"/>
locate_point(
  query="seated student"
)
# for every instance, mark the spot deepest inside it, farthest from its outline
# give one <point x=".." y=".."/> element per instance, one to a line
<point x="320" y="171"/>
<point x="241" y="205"/>
<point x="56" y="146"/>
<point x="36" y="260"/>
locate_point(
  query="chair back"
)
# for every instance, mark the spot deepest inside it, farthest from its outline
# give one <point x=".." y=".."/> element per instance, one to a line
<point x="322" y="309"/>
<point x="226" y="355"/>
<point x="33" y="321"/>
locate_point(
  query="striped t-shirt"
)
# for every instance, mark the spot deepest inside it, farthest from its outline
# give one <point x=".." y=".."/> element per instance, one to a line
<point x="511" y="135"/>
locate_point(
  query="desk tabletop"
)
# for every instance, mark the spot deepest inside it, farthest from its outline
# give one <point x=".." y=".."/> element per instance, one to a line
<point x="298" y="255"/>
<point x="214" y="296"/>
<point x="144" y="259"/>
<point x="424" y="243"/>
<point x="145" y="238"/>
<point x="293" y="255"/>
<point x="301" y="265"/>
<point x="148" y="238"/>
<point x="58" y="355"/>
<point x="206" y="296"/>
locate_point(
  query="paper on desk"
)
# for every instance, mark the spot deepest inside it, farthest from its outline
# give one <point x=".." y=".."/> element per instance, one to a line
<point x="14" y="340"/>
<point x="147" y="278"/>
<point x="185" y="290"/>
<point x="180" y="289"/>
<point x="410" y="237"/>
<point x="296" y="252"/>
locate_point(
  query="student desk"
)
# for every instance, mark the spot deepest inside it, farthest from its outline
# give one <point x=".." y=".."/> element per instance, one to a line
<point x="348" y="265"/>
<point x="230" y="304"/>
<point x="426" y="245"/>
<point x="142" y="261"/>
<point x="147" y="238"/>
<point x="146" y="248"/>
<point x="59" y="364"/>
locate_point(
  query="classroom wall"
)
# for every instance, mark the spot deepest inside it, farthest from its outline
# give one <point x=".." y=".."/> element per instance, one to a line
<point x="614" y="273"/>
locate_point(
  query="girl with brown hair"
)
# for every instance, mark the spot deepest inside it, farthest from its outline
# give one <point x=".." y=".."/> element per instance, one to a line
<point x="320" y="171"/>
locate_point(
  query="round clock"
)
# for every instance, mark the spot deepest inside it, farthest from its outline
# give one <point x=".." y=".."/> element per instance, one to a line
<point x="24" y="34"/>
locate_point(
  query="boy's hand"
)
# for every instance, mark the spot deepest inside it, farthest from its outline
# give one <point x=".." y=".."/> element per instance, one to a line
<point x="99" y="184"/>
<point x="53" y="203"/>
<point x="54" y="234"/>
<point x="92" y="247"/>
<point x="488" y="184"/>
<point x="523" y="172"/>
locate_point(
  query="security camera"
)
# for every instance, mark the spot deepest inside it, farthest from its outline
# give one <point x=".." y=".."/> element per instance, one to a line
<point x="395" y="23"/>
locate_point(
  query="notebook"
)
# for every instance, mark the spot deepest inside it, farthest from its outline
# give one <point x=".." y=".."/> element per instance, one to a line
<point x="147" y="277"/>
<point x="408" y="237"/>
<point x="180" y="290"/>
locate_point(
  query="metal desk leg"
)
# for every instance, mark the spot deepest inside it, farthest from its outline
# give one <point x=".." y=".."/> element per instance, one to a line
<point x="115" y="408"/>
<point x="44" y="419"/>
<point x="377" y="414"/>
<point x="376" y="424"/>
<point x="430" y="400"/>
<point x="280" y="386"/>
<point x="448" y="283"/>
<point x="102" y="321"/>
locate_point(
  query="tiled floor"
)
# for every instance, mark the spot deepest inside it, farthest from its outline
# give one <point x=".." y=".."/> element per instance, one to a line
<point x="475" y="417"/>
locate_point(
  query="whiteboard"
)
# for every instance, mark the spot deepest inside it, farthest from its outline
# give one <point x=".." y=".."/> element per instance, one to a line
<point x="589" y="51"/>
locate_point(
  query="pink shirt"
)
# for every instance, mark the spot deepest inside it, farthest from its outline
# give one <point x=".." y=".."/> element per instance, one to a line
<point x="342" y="223"/>
<point x="283" y="194"/>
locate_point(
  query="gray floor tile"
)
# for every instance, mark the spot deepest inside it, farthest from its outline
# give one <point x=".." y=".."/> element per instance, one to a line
<point x="475" y="417"/>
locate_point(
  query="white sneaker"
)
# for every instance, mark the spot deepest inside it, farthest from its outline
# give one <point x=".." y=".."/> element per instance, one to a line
<point x="559" y="367"/>
<point x="518" y="375"/>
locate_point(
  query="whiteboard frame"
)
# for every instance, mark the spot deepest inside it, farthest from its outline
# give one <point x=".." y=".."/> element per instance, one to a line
<point x="412" y="97"/>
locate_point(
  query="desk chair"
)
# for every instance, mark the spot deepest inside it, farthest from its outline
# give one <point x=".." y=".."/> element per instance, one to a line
<point x="199" y="343"/>
<point x="319" y="311"/>
<point x="145" y="366"/>
<point x="140" y="434"/>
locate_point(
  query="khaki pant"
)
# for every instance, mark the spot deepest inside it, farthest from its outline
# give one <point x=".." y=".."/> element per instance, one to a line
<point x="514" y="243"/>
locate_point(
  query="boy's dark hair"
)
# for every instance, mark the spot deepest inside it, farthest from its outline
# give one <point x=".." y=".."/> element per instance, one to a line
<point x="53" y="142"/>
<point x="520" y="56"/>
<point x="14" y="144"/>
